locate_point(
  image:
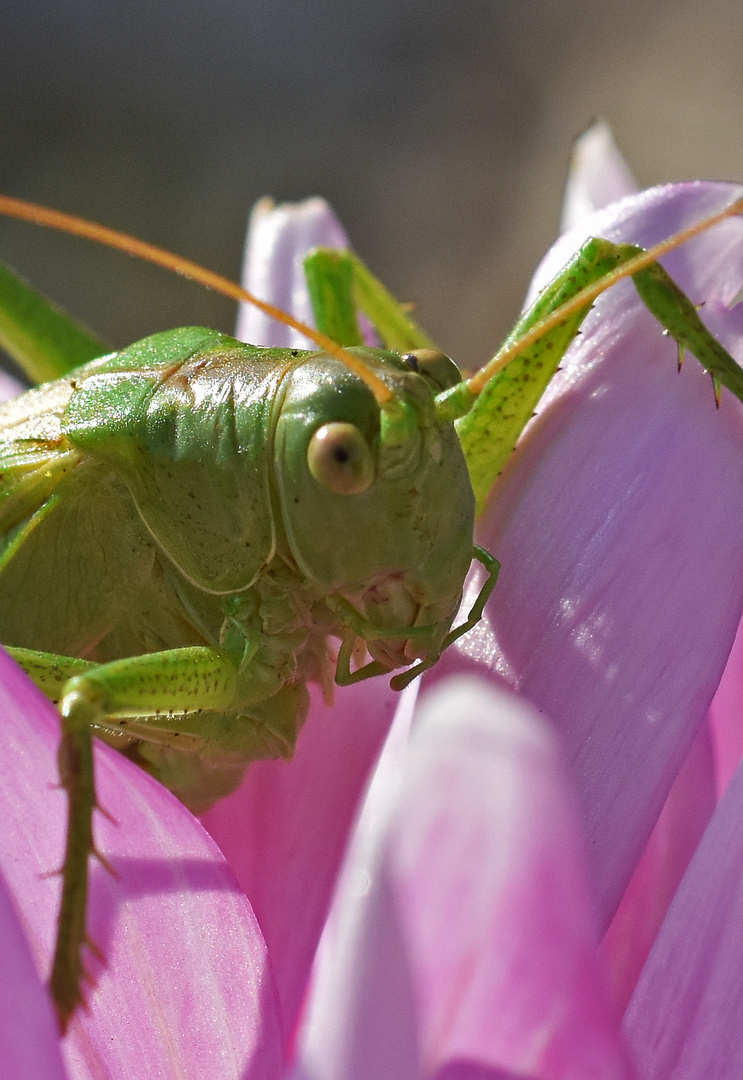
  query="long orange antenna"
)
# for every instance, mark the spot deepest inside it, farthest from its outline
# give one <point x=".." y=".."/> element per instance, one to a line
<point x="56" y="219"/>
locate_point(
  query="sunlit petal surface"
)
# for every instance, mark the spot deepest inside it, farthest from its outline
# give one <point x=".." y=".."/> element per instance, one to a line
<point x="183" y="987"/>
<point x="462" y="941"/>
<point x="617" y="523"/>
<point x="598" y="175"/>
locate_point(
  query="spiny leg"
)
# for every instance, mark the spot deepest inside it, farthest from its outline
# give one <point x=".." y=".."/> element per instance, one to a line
<point x="49" y="672"/>
<point x="75" y="760"/>
<point x="492" y="408"/>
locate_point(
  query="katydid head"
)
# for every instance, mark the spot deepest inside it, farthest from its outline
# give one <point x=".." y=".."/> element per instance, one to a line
<point x="387" y="530"/>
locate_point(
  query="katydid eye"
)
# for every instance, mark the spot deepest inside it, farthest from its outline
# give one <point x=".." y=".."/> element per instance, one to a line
<point x="436" y="365"/>
<point x="339" y="458"/>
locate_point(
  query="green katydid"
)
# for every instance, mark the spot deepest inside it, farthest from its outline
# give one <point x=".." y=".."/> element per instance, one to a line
<point x="184" y="479"/>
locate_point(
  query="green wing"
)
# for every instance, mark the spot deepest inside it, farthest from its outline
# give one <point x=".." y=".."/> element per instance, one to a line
<point x="34" y="455"/>
<point x="73" y="551"/>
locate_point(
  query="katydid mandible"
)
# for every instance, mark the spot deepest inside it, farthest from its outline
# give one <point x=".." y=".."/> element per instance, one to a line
<point x="225" y="511"/>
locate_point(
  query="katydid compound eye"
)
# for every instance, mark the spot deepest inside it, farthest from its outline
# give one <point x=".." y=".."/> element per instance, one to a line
<point x="339" y="458"/>
<point x="435" y="365"/>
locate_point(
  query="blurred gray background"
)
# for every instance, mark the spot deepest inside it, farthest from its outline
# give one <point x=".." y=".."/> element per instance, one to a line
<point x="439" y="130"/>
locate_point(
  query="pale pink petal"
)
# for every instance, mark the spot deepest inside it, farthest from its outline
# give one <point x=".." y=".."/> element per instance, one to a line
<point x="713" y="263"/>
<point x="29" y="1040"/>
<point x="685" y="1019"/>
<point x="598" y="175"/>
<point x="678" y="830"/>
<point x="726" y="716"/>
<point x="9" y="386"/>
<point x="185" y="988"/>
<point x="462" y="937"/>
<point x="285" y="830"/>
<point x="618" y="524"/>
<point x="278" y="239"/>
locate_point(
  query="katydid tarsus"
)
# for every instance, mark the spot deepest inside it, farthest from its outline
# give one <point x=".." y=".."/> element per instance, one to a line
<point x="255" y="505"/>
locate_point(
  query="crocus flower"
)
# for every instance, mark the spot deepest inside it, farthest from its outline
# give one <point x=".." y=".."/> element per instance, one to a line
<point x="506" y="817"/>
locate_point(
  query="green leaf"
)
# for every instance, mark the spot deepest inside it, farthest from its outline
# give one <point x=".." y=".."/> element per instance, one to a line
<point x="44" y="341"/>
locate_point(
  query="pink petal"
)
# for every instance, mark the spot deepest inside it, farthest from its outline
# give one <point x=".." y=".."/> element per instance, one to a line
<point x="278" y="239"/>
<point x="618" y="524"/>
<point x="462" y="936"/>
<point x="685" y="1019"/>
<point x="598" y="175"/>
<point x="712" y="263"/>
<point x="185" y="988"/>
<point x="29" y="1041"/>
<point x="726" y="716"/>
<point x="10" y="387"/>
<point x="678" y="830"/>
<point x="285" y="830"/>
